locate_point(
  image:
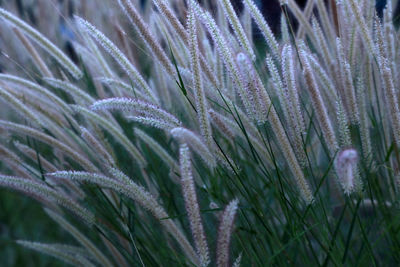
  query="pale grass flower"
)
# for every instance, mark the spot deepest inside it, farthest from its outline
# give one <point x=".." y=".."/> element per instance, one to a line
<point x="238" y="28"/>
<point x="144" y="108"/>
<point x="192" y="206"/>
<point x="224" y="233"/>
<point x="200" y="97"/>
<point x="345" y="165"/>
<point x="121" y="59"/>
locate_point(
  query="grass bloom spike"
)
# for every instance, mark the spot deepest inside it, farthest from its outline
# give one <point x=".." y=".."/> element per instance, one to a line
<point x="293" y="107"/>
<point x="349" y="94"/>
<point x="365" y="33"/>
<point x="346" y="164"/>
<point x="222" y="45"/>
<point x="237" y="27"/>
<point x="284" y="142"/>
<point x="318" y="104"/>
<point x="172" y="18"/>
<point x="224" y="52"/>
<point x="220" y="122"/>
<point x="121" y="59"/>
<point x="224" y="233"/>
<point x="192" y="206"/>
<point x="392" y="100"/>
<point x="292" y="94"/>
<point x="201" y="104"/>
<point x="135" y="18"/>
<point x="264" y="27"/>
<point x="255" y="92"/>
<point x="144" y="108"/>
<point x="164" y="7"/>
<point x="37" y="37"/>
<point x="277" y="83"/>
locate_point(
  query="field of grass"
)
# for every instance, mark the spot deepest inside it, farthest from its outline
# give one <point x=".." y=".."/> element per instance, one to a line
<point x="164" y="133"/>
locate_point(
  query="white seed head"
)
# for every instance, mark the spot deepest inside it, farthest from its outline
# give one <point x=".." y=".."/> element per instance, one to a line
<point x="121" y="59"/>
<point x="200" y="96"/>
<point x="192" y="205"/>
<point x="224" y="233"/>
<point x="345" y="164"/>
<point x="263" y="26"/>
<point x="143" y="29"/>
<point x="144" y="109"/>
<point x="237" y="28"/>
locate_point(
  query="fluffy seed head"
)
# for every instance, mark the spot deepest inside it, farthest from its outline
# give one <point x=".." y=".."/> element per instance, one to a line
<point x="345" y="164"/>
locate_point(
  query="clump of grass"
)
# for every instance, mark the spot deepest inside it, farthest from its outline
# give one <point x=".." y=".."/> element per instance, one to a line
<point x="177" y="142"/>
